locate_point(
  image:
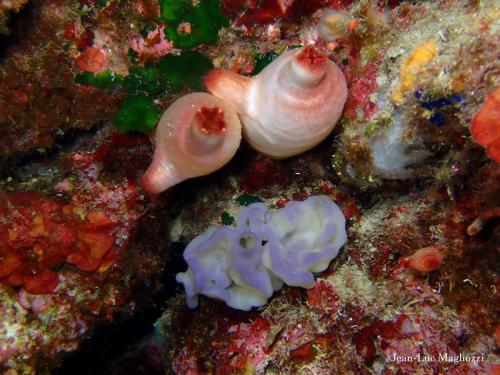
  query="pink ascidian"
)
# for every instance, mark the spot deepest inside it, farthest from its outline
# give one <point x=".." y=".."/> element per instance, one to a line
<point x="196" y="135"/>
<point x="289" y="107"/>
<point x="427" y="259"/>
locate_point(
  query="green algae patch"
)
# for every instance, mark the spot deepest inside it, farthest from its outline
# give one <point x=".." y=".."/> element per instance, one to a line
<point x="262" y="60"/>
<point x="172" y="74"/>
<point x="103" y="80"/>
<point x="192" y="25"/>
<point x="137" y="113"/>
<point x="248" y="199"/>
<point x="187" y="69"/>
<point x="144" y="81"/>
<point x="172" y="9"/>
<point x="226" y="218"/>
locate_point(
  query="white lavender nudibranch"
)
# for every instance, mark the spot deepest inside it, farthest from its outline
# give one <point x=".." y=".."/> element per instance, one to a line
<point x="245" y="265"/>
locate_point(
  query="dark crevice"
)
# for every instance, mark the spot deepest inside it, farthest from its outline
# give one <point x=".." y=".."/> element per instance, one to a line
<point x="18" y="24"/>
<point x="115" y="348"/>
<point x="71" y="140"/>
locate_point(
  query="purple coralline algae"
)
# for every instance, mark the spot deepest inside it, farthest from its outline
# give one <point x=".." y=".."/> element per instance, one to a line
<point x="245" y="265"/>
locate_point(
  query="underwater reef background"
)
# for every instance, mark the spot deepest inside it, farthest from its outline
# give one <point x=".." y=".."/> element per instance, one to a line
<point x="88" y="258"/>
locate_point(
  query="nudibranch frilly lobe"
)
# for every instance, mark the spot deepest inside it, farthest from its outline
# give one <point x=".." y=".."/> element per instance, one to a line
<point x="196" y="135"/>
<point x="289" y="107"/>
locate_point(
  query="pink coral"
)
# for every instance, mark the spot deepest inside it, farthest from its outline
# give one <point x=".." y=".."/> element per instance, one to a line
<point x="155" y="45"/>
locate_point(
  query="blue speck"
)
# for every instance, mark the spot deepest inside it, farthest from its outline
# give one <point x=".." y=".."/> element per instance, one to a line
<point x="436" y="104"/>
<point x="456" y="98"/>
<point x="437" y="119"/>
